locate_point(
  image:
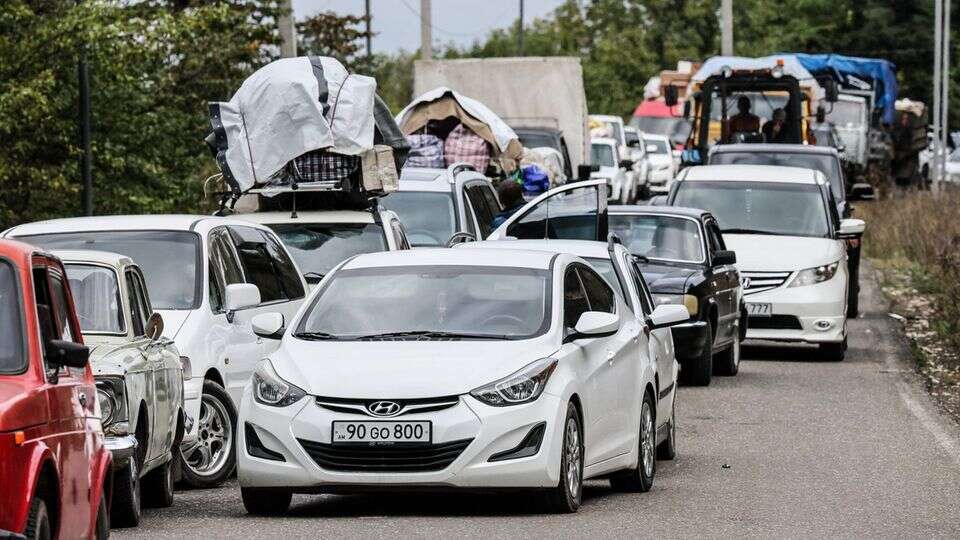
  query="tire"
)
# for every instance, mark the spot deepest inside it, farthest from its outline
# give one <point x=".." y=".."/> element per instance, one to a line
<point x="853" y="287"/>
<point x="640" y="478"/>
<point x="38" y="522"/>
<point x="727" y="363"/>
<point x="667" y="450"/>
<point x="210" y="461"/>
<point x="698" y="371"/>
<point x="157" y="487"/>
<point x="834" y="352"/>
<point x="125" y="510"/>
<point x="103" y="519"/>
<point x="568" y="495"/>
<point x="265" y="502"/>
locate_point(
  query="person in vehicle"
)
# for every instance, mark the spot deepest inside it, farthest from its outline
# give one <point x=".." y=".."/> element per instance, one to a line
<point x="511" y="197"/>
<point x="744" y="121"/>
<point x="775" y="131"/>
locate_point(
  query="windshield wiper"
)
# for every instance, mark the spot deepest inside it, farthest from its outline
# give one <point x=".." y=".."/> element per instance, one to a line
<point x="430" y="334"/>
<point x="313" y="277"/>
<point x="316" y="336"/>
<point x="746" y="231"/>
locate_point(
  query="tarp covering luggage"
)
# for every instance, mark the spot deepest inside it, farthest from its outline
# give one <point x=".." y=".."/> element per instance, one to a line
<point x="787" y="62"/>
<point x="442" y="103"/>
<point x="859" y="74"/>
<point x="305" y="116"/>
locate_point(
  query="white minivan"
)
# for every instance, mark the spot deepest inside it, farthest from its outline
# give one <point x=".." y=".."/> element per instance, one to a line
<point x="207" y="276"/>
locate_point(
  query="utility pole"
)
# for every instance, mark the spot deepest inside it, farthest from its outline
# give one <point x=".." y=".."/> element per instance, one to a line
<point x="366" y="7"/>
<point x="520" y="32"/>
<point x="288" y="32"/>
<point x="937" y="61"/>
<point x="726" y="27"/>
<point x="86" y="168"/>
<point x="426" y="31"/>
<point x="945" y="91"/>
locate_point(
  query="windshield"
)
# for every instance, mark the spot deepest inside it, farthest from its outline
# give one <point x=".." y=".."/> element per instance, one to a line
<point x="460" y="301"/>
<point x="602" y="155"/>
<point x="97" y="297"/>
<point x="168" y="259"/>
<point x="662" y="147"/>
<point x="762" y="104"/>
<point x="676" y="129"/>
<point x="12" y="359"/>
<point x="604" y="267"/>
<point x="759" y="207"/>
<point x="430" y="218"/>
<point x="530" y="139"/>
<point x="318" y="247"/>
<point x="659" y="237"/>
<point x="828" y="164"/>
<point x="847" y="113"/>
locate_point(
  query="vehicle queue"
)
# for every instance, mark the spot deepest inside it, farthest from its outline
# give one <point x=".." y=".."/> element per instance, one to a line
<point x="307" y="347"/>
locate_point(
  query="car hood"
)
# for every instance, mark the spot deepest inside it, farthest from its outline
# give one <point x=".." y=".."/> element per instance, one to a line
<point x="107" y="355"/>
<point x="173" y="321"/>
<point x="659" y="159"/>
<point x="760" y="252"/>
<point x="401" y="369"/>
<point x="666" y="278"/>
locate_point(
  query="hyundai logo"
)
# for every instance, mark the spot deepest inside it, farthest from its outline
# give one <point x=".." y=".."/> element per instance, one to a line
<point x="745" y="282"/>
<point x="384" y="408"/>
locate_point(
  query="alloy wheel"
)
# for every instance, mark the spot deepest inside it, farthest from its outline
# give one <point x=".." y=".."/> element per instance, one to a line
<point x="214" y="439"/>
<point x="574" y="457"/>
<point x="648" y="440"/>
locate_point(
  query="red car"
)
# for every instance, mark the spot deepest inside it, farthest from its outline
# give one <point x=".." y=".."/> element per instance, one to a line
<point x="53" y="463"/>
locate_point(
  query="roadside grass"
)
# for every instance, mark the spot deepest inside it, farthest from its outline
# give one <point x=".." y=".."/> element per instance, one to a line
<point x="914" y="242"/>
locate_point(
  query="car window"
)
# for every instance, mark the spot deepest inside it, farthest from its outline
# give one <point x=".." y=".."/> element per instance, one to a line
<point x="61" y="307"/>
<point x="574" y="298"/>
<point x="483" y="212"/>
<point x="605" y="268"/>
<point x="399" y="238"/>
<point x="602" y="154"/>
<point x="568" y="215"/>
<point x="662" y="237"/>
<point x="646" y="301"/>
<point x="284" y="268"/>
<point x="599" y="293"/>
<point x="12" y="357"/>
<point x="96" y="293"/>
<point x="430" y="217"/>
<point x="225" y="258"/>
<point x="486" y="190"/>
<point x="319" y="247"/>
<point x="714" y="238"/>
<point x="136" y="309"/>
<point x="468" y="212"/>
<point x="215" y="288"/>
<point x="265" y="265"/>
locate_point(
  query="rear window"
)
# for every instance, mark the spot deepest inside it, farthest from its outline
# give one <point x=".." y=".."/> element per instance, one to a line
<point x="12" y="358"/>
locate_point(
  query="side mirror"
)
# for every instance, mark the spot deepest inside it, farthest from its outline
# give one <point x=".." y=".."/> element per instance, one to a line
<point x="592" y="324"/>
<point x="154" y="327"/>
<point x="724" y="257"/>
<point x="686" y="109"/>
<point x="851" y="228"/>
<point x="671" y="95"/>
<point x="658" y="200"/>
<point x="862" y="192"/>
<point x="831" y="92"/>
<point x="461" y="237"/>
<point x="667" y="315"/>
<point x="821" y="114"/>
<point x="268" y="325"/>
<point x="652" y="148"/>
<point x="626" y="163"/>
<point x="584" y="171"/>
<point x="240" y="296"/>
<point x="67" y="353"/>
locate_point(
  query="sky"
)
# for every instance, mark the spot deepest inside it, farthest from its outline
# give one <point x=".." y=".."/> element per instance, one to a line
<point x="396" y="23"/>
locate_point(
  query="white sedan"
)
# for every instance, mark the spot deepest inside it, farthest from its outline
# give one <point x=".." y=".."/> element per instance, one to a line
<point x="464" y="368"/>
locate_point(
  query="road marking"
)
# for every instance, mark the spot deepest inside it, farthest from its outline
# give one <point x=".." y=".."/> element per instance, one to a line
<point x="945" y="439"/>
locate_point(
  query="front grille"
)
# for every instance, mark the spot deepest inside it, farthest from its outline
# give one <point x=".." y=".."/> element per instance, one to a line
<point x="407" y="406"/>
<point x="392" y="458"/>
<point x="755" y="282"/>
<point x="774" y="322"/>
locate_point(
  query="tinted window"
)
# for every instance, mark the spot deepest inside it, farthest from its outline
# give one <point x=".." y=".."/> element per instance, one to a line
<point x="225" y="258"/>
<point x="284" y="268"/>
<point x="642" y="289"/>
<point x="97" y="296"/>
<point x="136" y="310"/>
<point x="491" y="197"/>
<point x="568" y="215"/>
<point x="318" y="247"/>
<point x="759" y="207"/>
<point x="429" y="217"/>
<point x="61" y="308"/>
<point x="265" y="265"/>
<point x="828" y="164"/>
<point x="483" y="212"/>
<point x="12" y="358"/>
<point x="605" y="268"/>
<point x="537" y="140"/>
<point x="215" y="288"/>
<point x="659" y="237"/>
<point x="599" y="293"/>
<point x="574" y="298"/>
<point x="169" y="259"/>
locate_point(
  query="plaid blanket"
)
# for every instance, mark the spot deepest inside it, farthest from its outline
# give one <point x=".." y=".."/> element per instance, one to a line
<point x="321" y="165"/>
<point x="465" y="145"/>
<point x="425" y="151"/>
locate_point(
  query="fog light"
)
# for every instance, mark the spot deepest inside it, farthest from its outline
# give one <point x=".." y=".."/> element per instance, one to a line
<point x="822" y="325"/>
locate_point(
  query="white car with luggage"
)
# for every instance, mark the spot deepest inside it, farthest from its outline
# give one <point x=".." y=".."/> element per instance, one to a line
<point x="783" y="224"/>
<point x="207" y="277"/>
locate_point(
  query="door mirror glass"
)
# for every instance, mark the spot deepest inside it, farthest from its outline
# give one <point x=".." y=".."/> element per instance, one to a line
<point x="724" y="257"/>
<point x="597" y="324"/>
<point x="268" y="325"/>
<point x="668" y="315"/>
<point x="154" y="328"/>
<point x="671" y="95"/>
<point x="584" y="171"/>
<point x="830" y="91"/>
<point x="67" y="353"/>
<point x="239" y="296"/>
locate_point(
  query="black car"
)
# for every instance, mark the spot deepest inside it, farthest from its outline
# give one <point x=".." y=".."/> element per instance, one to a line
<point x="682" y="257"/>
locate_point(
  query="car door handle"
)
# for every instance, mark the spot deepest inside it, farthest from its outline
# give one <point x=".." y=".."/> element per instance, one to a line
<point x="610" y="356"/>
<point x="83" y="399"/>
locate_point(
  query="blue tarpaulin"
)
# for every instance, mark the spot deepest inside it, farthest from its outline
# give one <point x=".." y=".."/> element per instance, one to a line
<point x="859" y="73"/>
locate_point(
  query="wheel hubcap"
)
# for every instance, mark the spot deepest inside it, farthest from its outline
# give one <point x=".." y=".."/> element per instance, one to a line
<point x="208" y="455"/>
<point x="647" y="440"/>
<point x="572" y="451"/>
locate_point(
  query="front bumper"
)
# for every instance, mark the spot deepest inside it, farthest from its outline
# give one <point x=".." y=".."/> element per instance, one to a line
<point x="122" y="447"/>
<point x="808" y="314"/>
<point x="491" y="430"/>
<point x="690" y="340"/>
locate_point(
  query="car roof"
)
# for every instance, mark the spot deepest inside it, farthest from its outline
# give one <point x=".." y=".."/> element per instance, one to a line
<point x="604" y="140"/>
<point x="424" y="179"/>
<point x="535" y="129"/>
<point x="308" y="216"/>
<point x="163" y="222"/>
<point x="115" y="260"/>
<point x="453" y="257"/>
<point x="18" y="252"/>
<point x="696" y="213"/>
<point x="655" y="136"/>
<point x="607" y="118"/>
<point x="752" y="173"/>
<point x="773" y="148"/>
<point x="580" y="248"/>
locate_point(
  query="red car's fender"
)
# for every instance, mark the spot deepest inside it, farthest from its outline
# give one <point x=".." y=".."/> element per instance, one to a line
<point x="22" y="476"/>
<point x="100" y="485"/>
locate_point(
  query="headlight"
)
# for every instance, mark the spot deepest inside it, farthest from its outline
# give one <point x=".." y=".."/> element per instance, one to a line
<point x="186" y="367"/>
<point x="523" y="386"/>
<point x="110" y="394"/>
<point x="107" y="406"/>
<point x="688" y="301"/>
<point x="815" y="275"/>
<point x="270" y="389"/>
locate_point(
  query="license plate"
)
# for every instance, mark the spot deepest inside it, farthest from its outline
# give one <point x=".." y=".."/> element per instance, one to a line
<point x="759" y="310"/>
<point x="382" y="432"/>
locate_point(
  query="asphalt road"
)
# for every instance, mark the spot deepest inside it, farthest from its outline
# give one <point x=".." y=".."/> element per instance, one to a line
<point x="792" y="447"/>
